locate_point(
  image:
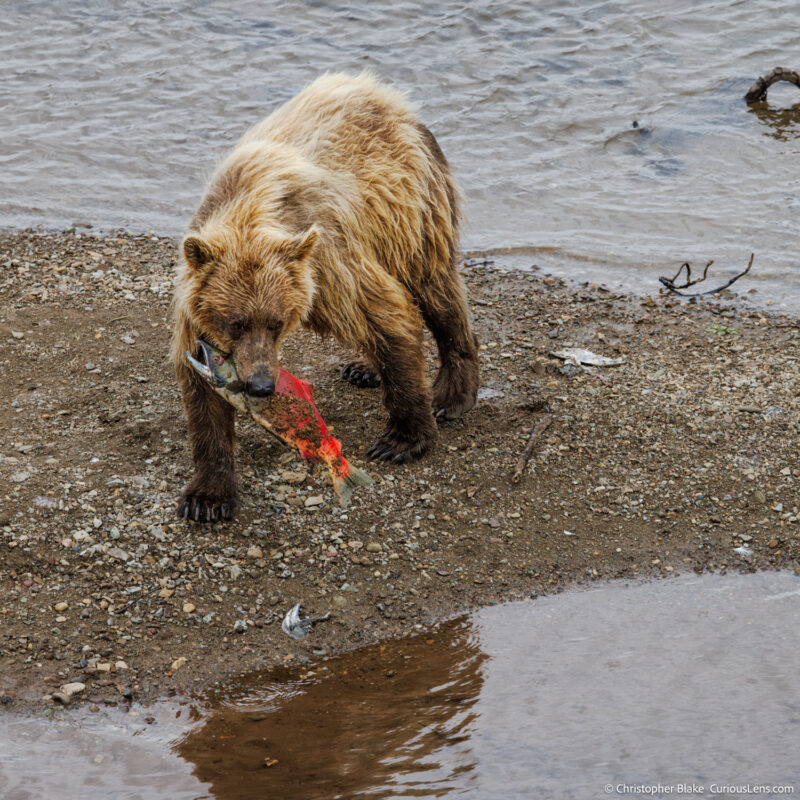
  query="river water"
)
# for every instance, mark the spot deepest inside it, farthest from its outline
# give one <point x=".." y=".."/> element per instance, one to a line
<point x="114" y="112"/>
<point x="690" y="682"/>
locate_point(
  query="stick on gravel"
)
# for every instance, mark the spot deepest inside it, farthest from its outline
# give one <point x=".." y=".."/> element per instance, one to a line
<point x="670" y="282"/>
<point x="522" y="461"/>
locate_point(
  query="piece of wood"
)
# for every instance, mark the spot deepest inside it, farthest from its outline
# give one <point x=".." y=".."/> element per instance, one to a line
<point x="522" y="461"/>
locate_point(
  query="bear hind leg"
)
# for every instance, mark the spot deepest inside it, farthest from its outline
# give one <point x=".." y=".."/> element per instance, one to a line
<point x="444" y="309"/>
<point x="395" y="348"/>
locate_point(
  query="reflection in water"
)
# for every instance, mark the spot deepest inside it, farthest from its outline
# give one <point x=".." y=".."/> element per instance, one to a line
<point x="692" y="680"/>
<point x="781" y="123"/>
<point x="374" y="724"/>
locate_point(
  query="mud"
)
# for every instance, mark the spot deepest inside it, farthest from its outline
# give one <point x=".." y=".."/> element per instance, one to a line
<point x="682" y="459"/>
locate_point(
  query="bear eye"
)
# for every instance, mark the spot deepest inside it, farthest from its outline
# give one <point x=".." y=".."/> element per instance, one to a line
<point x="237" y="328"/>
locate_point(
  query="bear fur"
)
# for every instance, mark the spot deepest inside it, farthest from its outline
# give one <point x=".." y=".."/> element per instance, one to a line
<point x="337" y="212"/>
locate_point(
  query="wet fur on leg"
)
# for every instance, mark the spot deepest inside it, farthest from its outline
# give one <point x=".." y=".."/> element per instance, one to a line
<point x="400" y="360"/>
<point x="211" y="494"/>
<point x="455" y="389"/>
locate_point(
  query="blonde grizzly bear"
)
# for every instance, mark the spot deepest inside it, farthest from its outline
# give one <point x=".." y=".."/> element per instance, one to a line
<point x="337" y="212"/>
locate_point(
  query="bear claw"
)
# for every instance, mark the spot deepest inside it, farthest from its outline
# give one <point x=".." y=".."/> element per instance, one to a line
<point x="361" y="375"/>
<point x="202" y="508"/>
<point x="398" y="449"/>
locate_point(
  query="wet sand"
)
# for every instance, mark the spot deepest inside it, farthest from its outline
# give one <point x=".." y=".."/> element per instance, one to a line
<point x="682" y="459"/>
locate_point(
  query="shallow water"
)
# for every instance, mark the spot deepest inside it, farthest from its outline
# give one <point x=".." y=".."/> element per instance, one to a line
<point x="113" y="113"/>
<point x="687" y="681"/>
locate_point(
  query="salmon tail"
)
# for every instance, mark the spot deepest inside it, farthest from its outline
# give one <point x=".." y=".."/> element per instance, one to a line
<point x="343" y="485"/>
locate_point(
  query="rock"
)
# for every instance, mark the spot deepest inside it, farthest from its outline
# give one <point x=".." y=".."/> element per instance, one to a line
<point x="68" y="691"/>
<point x="293" y="478"/>
<point x="374" y="547"/>
<point x="745" y="537"/>
<point x="316" y="500"/>
<point x="120" y="665"/>
<point x="188" y="608"/>
<point x="119" y="554"/>
<point x="240" y="626"/>
<point x="178" y="663"/>
<point x="255" y="552"/>
<point x="759" y="497"/>
<point x="62" y="606"/>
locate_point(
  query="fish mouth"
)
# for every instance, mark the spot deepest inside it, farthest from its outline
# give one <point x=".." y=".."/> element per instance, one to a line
<point x="212" y="365"/>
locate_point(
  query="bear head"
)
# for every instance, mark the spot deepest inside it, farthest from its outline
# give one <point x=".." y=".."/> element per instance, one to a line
<point x="244" y="293"/>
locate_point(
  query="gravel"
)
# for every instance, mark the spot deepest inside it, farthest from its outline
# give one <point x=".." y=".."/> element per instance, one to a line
<point x="669" y="462"/>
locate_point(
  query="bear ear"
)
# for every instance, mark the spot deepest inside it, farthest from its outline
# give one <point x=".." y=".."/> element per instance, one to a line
<point x="197" y="252"/>
<point x="302" y="247"/>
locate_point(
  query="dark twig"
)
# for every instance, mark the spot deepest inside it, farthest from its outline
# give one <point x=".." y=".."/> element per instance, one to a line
<point x="522" y="461"/>
<point x="670" y="282"/>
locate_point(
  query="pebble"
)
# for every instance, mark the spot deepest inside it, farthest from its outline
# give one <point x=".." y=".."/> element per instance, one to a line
<point x="374" y="547"/>
<point x="759" y="497"/>
<point x="68" y="691"/>
<point x="240" y="626"/>
<point x="316" y="500"/>
<point x="178" y="663"/>
<point x="188" y="608"/>
<point x="255" y="552"/>
<point x="62" y="606"/>
<point x="119" y="553"/>
<point x="293" y="477"/>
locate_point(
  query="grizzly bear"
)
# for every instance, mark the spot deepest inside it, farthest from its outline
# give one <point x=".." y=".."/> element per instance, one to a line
<point x="337" y="212"/>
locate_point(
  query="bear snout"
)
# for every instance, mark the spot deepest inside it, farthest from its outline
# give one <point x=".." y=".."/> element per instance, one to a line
<point x="260" y="383"/>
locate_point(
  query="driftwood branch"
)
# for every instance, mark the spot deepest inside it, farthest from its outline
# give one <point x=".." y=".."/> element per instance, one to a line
<point x="522" y="461"/>
<point x="758" y="91"/>
<point x="675" y="289"/>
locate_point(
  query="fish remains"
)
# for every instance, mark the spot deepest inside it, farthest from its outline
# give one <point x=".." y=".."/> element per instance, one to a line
<point x="290" y="415"/>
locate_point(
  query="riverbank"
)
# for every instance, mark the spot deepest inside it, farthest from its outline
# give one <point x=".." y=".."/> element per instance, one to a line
<point x="682" y="458"/>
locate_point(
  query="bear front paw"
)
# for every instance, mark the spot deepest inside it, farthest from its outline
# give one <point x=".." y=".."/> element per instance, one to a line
<point x="203" y="505"/>
<point x="401" y="448"/>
